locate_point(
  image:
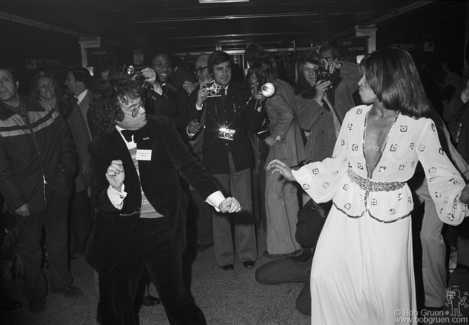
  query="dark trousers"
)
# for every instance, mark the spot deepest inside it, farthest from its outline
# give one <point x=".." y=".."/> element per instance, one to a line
<point x="203" y="214"/>
<point x="54" y="221"/>
<point x="287" y="270"/>
<point x="149" y="250"/>
<point x="80" y="220"/>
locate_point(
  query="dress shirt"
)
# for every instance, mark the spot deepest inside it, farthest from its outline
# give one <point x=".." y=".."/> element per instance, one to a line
<point x="81" y="96"/>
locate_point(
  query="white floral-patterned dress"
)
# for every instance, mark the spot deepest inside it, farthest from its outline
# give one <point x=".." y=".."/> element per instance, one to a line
<point x="362" y="270"/>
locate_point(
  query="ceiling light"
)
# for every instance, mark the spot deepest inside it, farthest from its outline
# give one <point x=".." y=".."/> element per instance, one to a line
<point x="222" y="1"/>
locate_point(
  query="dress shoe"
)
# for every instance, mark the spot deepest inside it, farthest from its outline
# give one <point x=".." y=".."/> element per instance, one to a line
<point x="249" y="264"/>
<point x="266" y="254"/>
<point x="68" y="291"/>
<point x="37" y="305"/>
<point x="150" y="301"/>
<point x="228" y="267"/>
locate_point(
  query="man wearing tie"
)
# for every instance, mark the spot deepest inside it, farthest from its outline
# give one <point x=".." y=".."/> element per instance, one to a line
<point x="227" y="155"/>
<point x="141" y="206"/>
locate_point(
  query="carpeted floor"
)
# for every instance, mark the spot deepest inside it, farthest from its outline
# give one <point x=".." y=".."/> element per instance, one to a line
<point x="226" y="297"/>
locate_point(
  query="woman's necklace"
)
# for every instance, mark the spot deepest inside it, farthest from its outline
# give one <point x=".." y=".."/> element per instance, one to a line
<point x="378" y="145"/>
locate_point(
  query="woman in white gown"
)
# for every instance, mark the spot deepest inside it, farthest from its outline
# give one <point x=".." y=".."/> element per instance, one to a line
<point x="362" y="270"/>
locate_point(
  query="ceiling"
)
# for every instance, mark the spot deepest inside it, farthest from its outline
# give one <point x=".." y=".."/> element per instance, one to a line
<point x="187" y="26"/>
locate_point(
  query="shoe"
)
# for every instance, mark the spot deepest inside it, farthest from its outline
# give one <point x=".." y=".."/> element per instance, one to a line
<point x="202" y="247"/>
<point x="150" y="301"/>
<point x="228" y="267"/>
<point x="266" y="254"/>
<point x="69" y="291"/>
<point x="10" y="304"/>
<point x="37" y="305"/>
<point x="249" y="264"/>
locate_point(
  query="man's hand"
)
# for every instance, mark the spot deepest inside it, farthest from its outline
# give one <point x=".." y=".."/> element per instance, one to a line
<point x="282" y="168"/>
<point x="321" y="87"/>
<point x="150" y="75"/>
<point x="201" y="96"/>
<point x="115" y="174"/>
<point x="189" y="86"/>
<point x="270" y="141"/>
<point x="194" y="126"/>
<point x="85" y="168"/>
<point x="23" y="210"/>
<point x="230" y="205"/>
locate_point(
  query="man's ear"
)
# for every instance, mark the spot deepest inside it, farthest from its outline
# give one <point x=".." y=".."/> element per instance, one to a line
<point x="17" y="84"/>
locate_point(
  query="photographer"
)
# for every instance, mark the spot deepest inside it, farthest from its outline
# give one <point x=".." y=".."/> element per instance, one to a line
<point x="286" y="144"/>
<point x="319" y="115"/>
<point x="228" y="156"/>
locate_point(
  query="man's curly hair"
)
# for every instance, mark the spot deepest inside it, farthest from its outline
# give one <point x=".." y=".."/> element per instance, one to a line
<point x="106" y="98"/>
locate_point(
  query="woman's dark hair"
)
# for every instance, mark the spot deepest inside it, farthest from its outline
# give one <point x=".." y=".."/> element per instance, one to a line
<point x="105" y="100"/>
<point x="253" y="51"/>
<point x="65" y="99"/>
<point x="265" y="68"/>
<point x="392" y="75"/>
<point x="217" y="57"/>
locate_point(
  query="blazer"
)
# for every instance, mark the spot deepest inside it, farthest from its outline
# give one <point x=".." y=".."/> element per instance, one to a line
<point x="236" y="111"/>
<point x="113" y="228"/>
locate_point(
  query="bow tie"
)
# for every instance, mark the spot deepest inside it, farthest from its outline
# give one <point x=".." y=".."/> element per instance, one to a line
<point x="128" y="135"/>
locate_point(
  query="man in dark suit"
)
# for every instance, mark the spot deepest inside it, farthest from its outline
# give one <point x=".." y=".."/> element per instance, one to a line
<point x="227" y="154"/>
<point x="140" y="224"/>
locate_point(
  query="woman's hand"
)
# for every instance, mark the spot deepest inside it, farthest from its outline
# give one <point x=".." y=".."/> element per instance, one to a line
<point x="464" y="198"/>
<point x="282" y="168"/>
<point x="230" y="205"/>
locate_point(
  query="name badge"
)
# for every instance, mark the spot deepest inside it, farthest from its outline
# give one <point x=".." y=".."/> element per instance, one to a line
<point x="143" y="154"/>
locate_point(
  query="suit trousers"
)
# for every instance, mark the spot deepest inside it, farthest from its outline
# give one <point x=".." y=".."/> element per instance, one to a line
<point x="282" y="214"/>
<point x="236" y="184"/>
<point x="54" y="221"/>
<point x="150" y="248"/>
<point x="80" y="220"/>
<point x="433" y="249"/>
<point x="287" y="270"/>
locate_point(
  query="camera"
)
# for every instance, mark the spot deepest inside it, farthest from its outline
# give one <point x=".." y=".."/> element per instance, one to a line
<point x="135" y="70"/>
<point x="323" y="73"/>
<point x="227" y="134"/>
<point x="212" y="89"/>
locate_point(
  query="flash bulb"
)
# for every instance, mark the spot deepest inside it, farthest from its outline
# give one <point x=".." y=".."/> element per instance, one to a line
<point x="268" y="90"/>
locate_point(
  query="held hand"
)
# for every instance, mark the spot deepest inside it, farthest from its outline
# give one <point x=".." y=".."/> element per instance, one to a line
<point x="115" y="174"/>
<point x="464" y="198"/>
<point x="23" y="210"/>
<point x="321" y="87"/>
<point x="201" y="96"/>
<point x="189" y="86"/>
<point x="230" y="205"/>
<point x="194" y="126"/>
<point x="282" y="168"/>
<point x="85" y="168"/>
<point x="150" y="75"/>
<point x="270" y="141"/>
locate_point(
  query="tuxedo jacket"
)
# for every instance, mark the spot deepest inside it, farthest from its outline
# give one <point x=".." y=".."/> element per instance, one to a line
<point x="113" y="228"/>
<point x="236" y="111"/>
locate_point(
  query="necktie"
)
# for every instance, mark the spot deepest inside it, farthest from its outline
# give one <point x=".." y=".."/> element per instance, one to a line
<point x="128" y="135"/>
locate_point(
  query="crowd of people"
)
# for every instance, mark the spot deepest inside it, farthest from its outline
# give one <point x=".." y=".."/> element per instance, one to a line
<point x="111" y="165"/>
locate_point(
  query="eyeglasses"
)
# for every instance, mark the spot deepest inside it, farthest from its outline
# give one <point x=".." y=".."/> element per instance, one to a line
<point x="134" y="109"/>
<point x="199" y="70"/>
